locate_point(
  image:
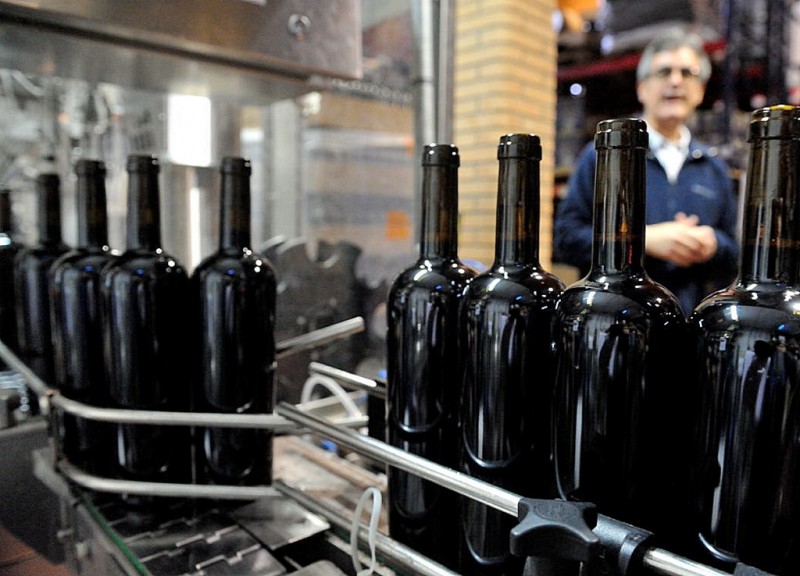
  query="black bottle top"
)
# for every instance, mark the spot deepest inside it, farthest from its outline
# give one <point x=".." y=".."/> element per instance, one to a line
<point x="6" y="220"/>
<point x="517" y="208"/>
<point x="619" y="211"/>
<point x="144" y="209"/>
<point x="49" y="205"/>
<point x="91" y="202"/>
<point x="439" y="223"/>
<point x="771" y="219"/>
<point x="235" y="207"/>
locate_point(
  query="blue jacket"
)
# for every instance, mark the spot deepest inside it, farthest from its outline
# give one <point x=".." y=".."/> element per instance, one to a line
<point x="703" y="187"/>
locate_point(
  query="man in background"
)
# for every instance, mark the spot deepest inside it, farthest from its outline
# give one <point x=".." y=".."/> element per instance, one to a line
<point x="690" y="238"/>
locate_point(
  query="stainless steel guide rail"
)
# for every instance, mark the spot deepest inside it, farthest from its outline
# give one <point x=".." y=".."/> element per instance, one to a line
<point x="166" y="489"/>
<point x="658" y="560"/>
<point x="371" y="387"/>
<point x="50" y="398"/>
<point x="462" y="483"/>
<point x="318" y="337"/>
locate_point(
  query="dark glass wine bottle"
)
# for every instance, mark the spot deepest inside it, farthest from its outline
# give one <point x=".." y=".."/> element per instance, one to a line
<point x="748" y="349"/>
<point x="77" y="322"/>
<point x="620" y="341"/>
<point x="423" y="355"/>
<point x="32" y="265"/>
<point x="9" y="248"/>
<point x="145" y="295"/>
<point x="507" y="390"/>
<point x="235" y="291"/>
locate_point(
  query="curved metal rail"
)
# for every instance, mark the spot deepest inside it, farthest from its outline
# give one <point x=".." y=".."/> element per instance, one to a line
<point x="51" y="397"/>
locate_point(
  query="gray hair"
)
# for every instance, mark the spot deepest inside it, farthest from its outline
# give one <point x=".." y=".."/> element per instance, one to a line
<point x="672" y="40"/>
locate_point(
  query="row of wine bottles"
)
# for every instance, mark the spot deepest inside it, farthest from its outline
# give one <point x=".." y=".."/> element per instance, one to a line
<point x="602" y="391"/>
<point x="134" y="330"/>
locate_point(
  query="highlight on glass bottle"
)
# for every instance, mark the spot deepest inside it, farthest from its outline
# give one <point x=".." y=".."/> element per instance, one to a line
<point x="423" y="351"/>
<point x="618" y="433"/>
<point x="747" y="352"/>
<point x="508" y="371"/>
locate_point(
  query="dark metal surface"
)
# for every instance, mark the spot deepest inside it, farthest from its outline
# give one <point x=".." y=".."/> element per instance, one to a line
<point x="227" y="551"/>
<point x="321" y="568"/>
<point x="318" y="287"/>
<point x="27" y="508"/>
<point x="182" y="537"/>
<point x="108" y="534"/>
<point x="398" y="555"/>
<point x="278" y="521"/>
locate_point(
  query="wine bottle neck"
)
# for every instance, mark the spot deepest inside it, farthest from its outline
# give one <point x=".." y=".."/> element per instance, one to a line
<point x="49" y="227"/>
<point x="144" y="215"/>
<point x="439" y="224"/>
<point x="771" y="221"/>
<point x="235" y="212"/>
<point x="5" y="212"/>
<point x="517" y="229"/>
<point x="619" y="210"/>
<point x="92" y="217"/>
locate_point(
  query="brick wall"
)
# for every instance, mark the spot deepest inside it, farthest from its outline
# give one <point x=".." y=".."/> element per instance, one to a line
<point x="505" y="81"/>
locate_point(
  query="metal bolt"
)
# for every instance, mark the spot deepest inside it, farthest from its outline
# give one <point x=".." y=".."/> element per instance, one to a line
<point x="299" y="25"/>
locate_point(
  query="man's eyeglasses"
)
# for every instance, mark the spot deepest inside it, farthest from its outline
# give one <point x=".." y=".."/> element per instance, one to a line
<point x="667" y="72"/>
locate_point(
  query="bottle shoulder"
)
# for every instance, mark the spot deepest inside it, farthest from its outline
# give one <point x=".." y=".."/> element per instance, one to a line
<point x="39" y="255"/>
<point x="620" y="294"/>
<point x="85" y="260"/>
<point x="239" y="264"/>
<point x="140" y="262"/>
<point x="88" y="254"/>
<point x="9" y="250"/>
<point x="441" y="275"/>
<point x="527" y="284"/>
<point x="758" y="306"/>
<point x="527" y="274"/>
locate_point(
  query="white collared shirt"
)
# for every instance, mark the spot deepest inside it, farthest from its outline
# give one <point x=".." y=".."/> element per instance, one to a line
<point x="670" y="154"/>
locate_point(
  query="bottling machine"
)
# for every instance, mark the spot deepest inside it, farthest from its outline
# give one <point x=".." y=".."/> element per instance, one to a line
<point x="108" y="77"/>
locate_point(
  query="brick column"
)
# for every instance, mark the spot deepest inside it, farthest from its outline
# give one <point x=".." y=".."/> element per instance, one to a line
<point x="505" y="81"/>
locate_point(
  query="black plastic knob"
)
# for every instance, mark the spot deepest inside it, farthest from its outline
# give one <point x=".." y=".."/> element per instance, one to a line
<point x="555" y="529"/>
